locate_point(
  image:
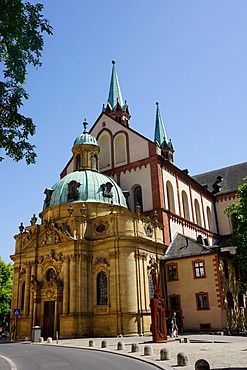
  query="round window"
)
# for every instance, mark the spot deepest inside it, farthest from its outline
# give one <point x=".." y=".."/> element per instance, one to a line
<point x="101" y="228"/>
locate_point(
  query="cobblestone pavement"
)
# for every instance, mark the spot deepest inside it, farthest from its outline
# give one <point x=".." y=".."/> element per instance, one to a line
<point x="221" y="352"/>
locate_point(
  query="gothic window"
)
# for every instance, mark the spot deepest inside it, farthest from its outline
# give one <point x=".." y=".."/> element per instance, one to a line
<point x="199" y="269"/>
<point x="230" y="301"/>
<point x="209" y="218"/>
<point x="73" y="193"/>
<point x="105" y="152"/>
<point x="120" y="149"/>
<point x="198" y="213"/>
<point x="172" y="272"/>
<point x="138" y="197"/>
<point x="202" y="301"/>
<point x="78" y="161"/>
<point x="102" y="289"/>
<point x="170" y="197"/>
<point x="185" y="203"/>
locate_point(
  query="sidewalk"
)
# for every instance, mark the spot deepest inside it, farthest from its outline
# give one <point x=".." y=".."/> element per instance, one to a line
<point x="221" y="352"/>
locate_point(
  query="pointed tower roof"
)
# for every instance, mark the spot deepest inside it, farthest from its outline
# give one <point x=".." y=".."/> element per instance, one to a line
<point x="160" y="133"/>
<point x="116" y="107"/>
<point x="115" y="95"/>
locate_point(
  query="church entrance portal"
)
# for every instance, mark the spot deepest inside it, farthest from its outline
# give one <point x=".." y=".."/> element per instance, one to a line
<point x="48" y="323"/>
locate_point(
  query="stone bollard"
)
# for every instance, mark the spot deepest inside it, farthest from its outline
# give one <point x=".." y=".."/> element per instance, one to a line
<point x="182" y="360"/>
<point x="148" y="350"/>
<point x="91" y="343"/>
<point x="186" y="340"/>
<point x="181" y="340"/>
<point x="104" y="344"/>
<point x="41" y="340"/>
<point x="135" y="347"/>
<point x="49" y="340"/>
<point x="202" y="365"/>
<point x="120" y="346"/>
<point x="164" y="354"/>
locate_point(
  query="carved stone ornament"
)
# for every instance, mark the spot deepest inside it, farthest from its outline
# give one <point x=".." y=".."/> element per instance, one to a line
<point x="101" y="261"/>
<point x="149" y="230"/>
<point x="51" y="237"/>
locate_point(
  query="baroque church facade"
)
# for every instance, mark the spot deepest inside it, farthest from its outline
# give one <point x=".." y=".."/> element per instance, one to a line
<point x="120" y="209"/>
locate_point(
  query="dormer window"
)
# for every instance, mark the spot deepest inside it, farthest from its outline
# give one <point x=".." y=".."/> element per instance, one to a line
<point x="107" y="190"/>
<point x="73" y="193"/>
<point x="48" y="192"/>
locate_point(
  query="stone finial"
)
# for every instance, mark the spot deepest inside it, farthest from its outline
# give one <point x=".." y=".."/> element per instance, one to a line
<point x="33" y="220"/>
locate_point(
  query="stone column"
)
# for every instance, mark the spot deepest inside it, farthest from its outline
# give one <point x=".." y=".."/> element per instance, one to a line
<point x="73" y="294"/>
<point x="27" y="289"/>
<point x="66" y="287"/>
<point x="31" y="292"/>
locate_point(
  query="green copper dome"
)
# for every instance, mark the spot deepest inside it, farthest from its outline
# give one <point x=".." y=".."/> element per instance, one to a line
<point x="85" y="186"/>
<point x="85" y="137"/>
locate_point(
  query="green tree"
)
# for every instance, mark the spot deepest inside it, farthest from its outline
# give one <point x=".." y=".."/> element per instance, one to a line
<point x="6" y="278"/>
<point x="238" y="214"/>
<point x="21" y="42"/>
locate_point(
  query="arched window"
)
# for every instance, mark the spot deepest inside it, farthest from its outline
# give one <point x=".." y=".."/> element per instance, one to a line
<point x="120" y="149"/>
<point x="209" y="218"/>
<point x="185" y="203"/>
<point x="138" y="197"/>
<point x="102" y="289"/>
<point x="170" y="196"/>
<point x="198" y="213"/>
<point x="105" y="152"/>
<point x="78" y="161"/>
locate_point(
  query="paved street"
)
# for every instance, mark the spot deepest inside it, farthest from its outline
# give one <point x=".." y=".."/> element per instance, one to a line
<point x="221" y="352"/>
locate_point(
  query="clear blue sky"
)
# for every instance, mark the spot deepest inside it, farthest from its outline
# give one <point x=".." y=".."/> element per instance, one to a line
<point x="190" y="55"/>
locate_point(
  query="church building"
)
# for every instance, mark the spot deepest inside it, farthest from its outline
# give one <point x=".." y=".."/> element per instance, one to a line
<point x="121" y="208"/>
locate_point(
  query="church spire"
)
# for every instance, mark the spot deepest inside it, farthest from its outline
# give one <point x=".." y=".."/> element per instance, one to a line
<point x="160" y="132"/>
<point x="116" y="107"/>
<point x="160" y="137"/>
<point x="115" y="95"/>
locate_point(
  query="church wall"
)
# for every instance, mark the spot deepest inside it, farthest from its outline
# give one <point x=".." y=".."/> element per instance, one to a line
<point x="139" y="176"/>
<point x="224" y="222"/>
<point x="136" y="144"/>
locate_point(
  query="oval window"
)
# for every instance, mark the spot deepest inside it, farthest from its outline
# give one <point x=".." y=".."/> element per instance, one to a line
<point x="101" y="228"/>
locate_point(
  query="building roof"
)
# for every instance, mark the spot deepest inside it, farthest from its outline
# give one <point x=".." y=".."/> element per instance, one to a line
<point x="115" y="95"/>
<point x="224" y="180"/>
<point x="90" y="187"/>
<point x="160" y="132"/>
<point x="182" y="246"/>
<point x="85" y="137"/>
